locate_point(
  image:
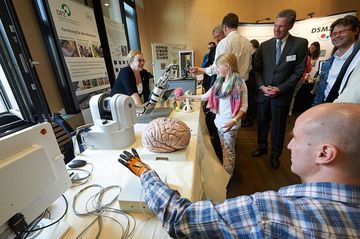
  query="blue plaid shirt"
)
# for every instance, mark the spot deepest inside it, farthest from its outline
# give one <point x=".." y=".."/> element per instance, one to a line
<point x="311" y="210"/>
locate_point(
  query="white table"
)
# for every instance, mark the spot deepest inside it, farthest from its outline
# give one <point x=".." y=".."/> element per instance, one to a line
<point x="195" y="172"/>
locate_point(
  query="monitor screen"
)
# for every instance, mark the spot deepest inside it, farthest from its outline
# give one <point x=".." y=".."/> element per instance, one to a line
<point x="32" y="172"/>
<point x="185" y="84"/>
<point x="167" y="94"/>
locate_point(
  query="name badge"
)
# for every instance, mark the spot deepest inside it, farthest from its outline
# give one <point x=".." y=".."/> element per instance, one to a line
<point x="291" y="58"/>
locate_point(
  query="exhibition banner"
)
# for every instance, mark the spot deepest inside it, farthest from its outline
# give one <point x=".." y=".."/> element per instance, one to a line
<point x="313" y="29"/>
<point x="80" y="45"/>
<point x="116" y="36"/>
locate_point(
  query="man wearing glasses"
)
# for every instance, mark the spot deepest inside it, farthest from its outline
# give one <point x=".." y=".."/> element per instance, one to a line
<point x="344" y="33"/>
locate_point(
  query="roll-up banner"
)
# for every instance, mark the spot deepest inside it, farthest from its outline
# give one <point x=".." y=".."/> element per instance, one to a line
<point x="81" y="48"/>
<point x="117" y="43"/>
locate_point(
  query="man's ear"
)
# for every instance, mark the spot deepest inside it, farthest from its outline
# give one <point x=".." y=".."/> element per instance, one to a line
<point x="327" y="154"/>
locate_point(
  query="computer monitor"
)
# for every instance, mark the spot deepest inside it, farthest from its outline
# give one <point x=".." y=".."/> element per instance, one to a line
<point x="32" y="173"/>
<point x="186" y="60"/>
<point x="185" y="84"/>
<point x="167" y="94"/>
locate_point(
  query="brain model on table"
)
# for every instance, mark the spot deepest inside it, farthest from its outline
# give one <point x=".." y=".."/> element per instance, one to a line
<point x="164" y="135"/>
<point x="179" y="92"/>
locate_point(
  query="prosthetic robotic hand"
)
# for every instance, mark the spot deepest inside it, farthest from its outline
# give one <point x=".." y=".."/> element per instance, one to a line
<point x="160" y="86"/>
<point x="133" y="162"/>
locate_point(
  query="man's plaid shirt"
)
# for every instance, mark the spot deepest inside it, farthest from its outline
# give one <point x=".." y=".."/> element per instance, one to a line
<point x="311" y="210"/>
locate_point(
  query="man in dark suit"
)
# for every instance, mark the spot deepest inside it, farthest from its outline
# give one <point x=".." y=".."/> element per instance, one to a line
<point x="279" y="65"/>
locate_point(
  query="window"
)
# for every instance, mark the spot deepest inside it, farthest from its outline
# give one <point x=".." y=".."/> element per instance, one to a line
<point x="7" y="100"/>
<point x="131" y="25"/>
<point x="22" y="101"/>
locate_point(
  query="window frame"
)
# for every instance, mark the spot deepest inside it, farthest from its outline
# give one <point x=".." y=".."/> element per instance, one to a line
<point x="132" y="4"/>
<point x="21" y="75"/>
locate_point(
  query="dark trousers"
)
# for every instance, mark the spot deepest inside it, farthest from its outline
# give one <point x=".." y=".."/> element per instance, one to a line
<point x="268" y="112"/>
<point x="206" y="84"/>
<point x="251" y="111"/>
<point x="213" y="131"/>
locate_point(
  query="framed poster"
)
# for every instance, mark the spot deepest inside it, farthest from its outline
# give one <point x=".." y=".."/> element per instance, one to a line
<point x="164" y="55"/>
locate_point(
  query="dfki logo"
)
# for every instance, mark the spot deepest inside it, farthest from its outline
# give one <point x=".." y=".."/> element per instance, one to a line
<point x="323" y="32"/>
<point x="65" y="11"/>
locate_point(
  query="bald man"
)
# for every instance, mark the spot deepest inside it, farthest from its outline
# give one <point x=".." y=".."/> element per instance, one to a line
<point x="324" y="153"/>
<point x="325" y="145"/>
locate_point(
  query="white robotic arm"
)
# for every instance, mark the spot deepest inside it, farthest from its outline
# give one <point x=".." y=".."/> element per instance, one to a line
<point x="159" y="88"/>
<point x="119" y="132"/>
<point x="116" y="133"/>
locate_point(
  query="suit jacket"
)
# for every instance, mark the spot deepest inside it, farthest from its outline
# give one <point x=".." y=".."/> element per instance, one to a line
<point x="286" y="73"/>
<point x="126" y="83"/>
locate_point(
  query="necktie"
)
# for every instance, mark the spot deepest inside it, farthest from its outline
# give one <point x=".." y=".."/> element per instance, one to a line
<point x="278" y="51"/>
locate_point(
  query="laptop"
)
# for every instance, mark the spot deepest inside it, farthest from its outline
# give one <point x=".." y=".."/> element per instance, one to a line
<point x="154" y="112"/>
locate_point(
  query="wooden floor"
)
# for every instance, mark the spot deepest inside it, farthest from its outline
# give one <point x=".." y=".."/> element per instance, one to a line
<point x="255" y="174"/>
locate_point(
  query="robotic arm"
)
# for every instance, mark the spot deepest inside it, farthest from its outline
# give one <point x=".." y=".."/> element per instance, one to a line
<point x="115" y="133"/>
<point x="159" y="88"/>
<point x="119" y="132"/>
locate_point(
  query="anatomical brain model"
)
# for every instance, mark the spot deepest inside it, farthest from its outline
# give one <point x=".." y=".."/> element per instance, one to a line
<point x="165" y="135"/>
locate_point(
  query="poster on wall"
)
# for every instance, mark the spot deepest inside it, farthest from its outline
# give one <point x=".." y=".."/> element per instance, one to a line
<point x="313" y="29"/>
<point x="79" y="40"/>
<point x="115" y="32"/>
<point x="164" y="55"/>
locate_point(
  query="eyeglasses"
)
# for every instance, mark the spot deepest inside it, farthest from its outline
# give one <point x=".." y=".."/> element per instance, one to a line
<point x="334" y="34"/>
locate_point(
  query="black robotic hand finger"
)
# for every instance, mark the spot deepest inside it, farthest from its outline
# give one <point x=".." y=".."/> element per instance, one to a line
<point x="133" y="162"/>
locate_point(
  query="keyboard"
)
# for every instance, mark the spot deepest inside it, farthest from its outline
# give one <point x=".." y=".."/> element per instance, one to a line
<point x="154" y="114"/>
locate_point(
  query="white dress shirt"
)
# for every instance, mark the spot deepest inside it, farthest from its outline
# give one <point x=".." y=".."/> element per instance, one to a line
<point x="240" y="46"/>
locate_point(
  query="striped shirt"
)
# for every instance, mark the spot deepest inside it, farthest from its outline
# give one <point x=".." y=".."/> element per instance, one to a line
<point x="309" y="210"/>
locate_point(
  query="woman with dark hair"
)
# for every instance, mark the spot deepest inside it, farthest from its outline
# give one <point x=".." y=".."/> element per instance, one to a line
<point x="314" y="54"/>
<point x="314" y="50"/>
